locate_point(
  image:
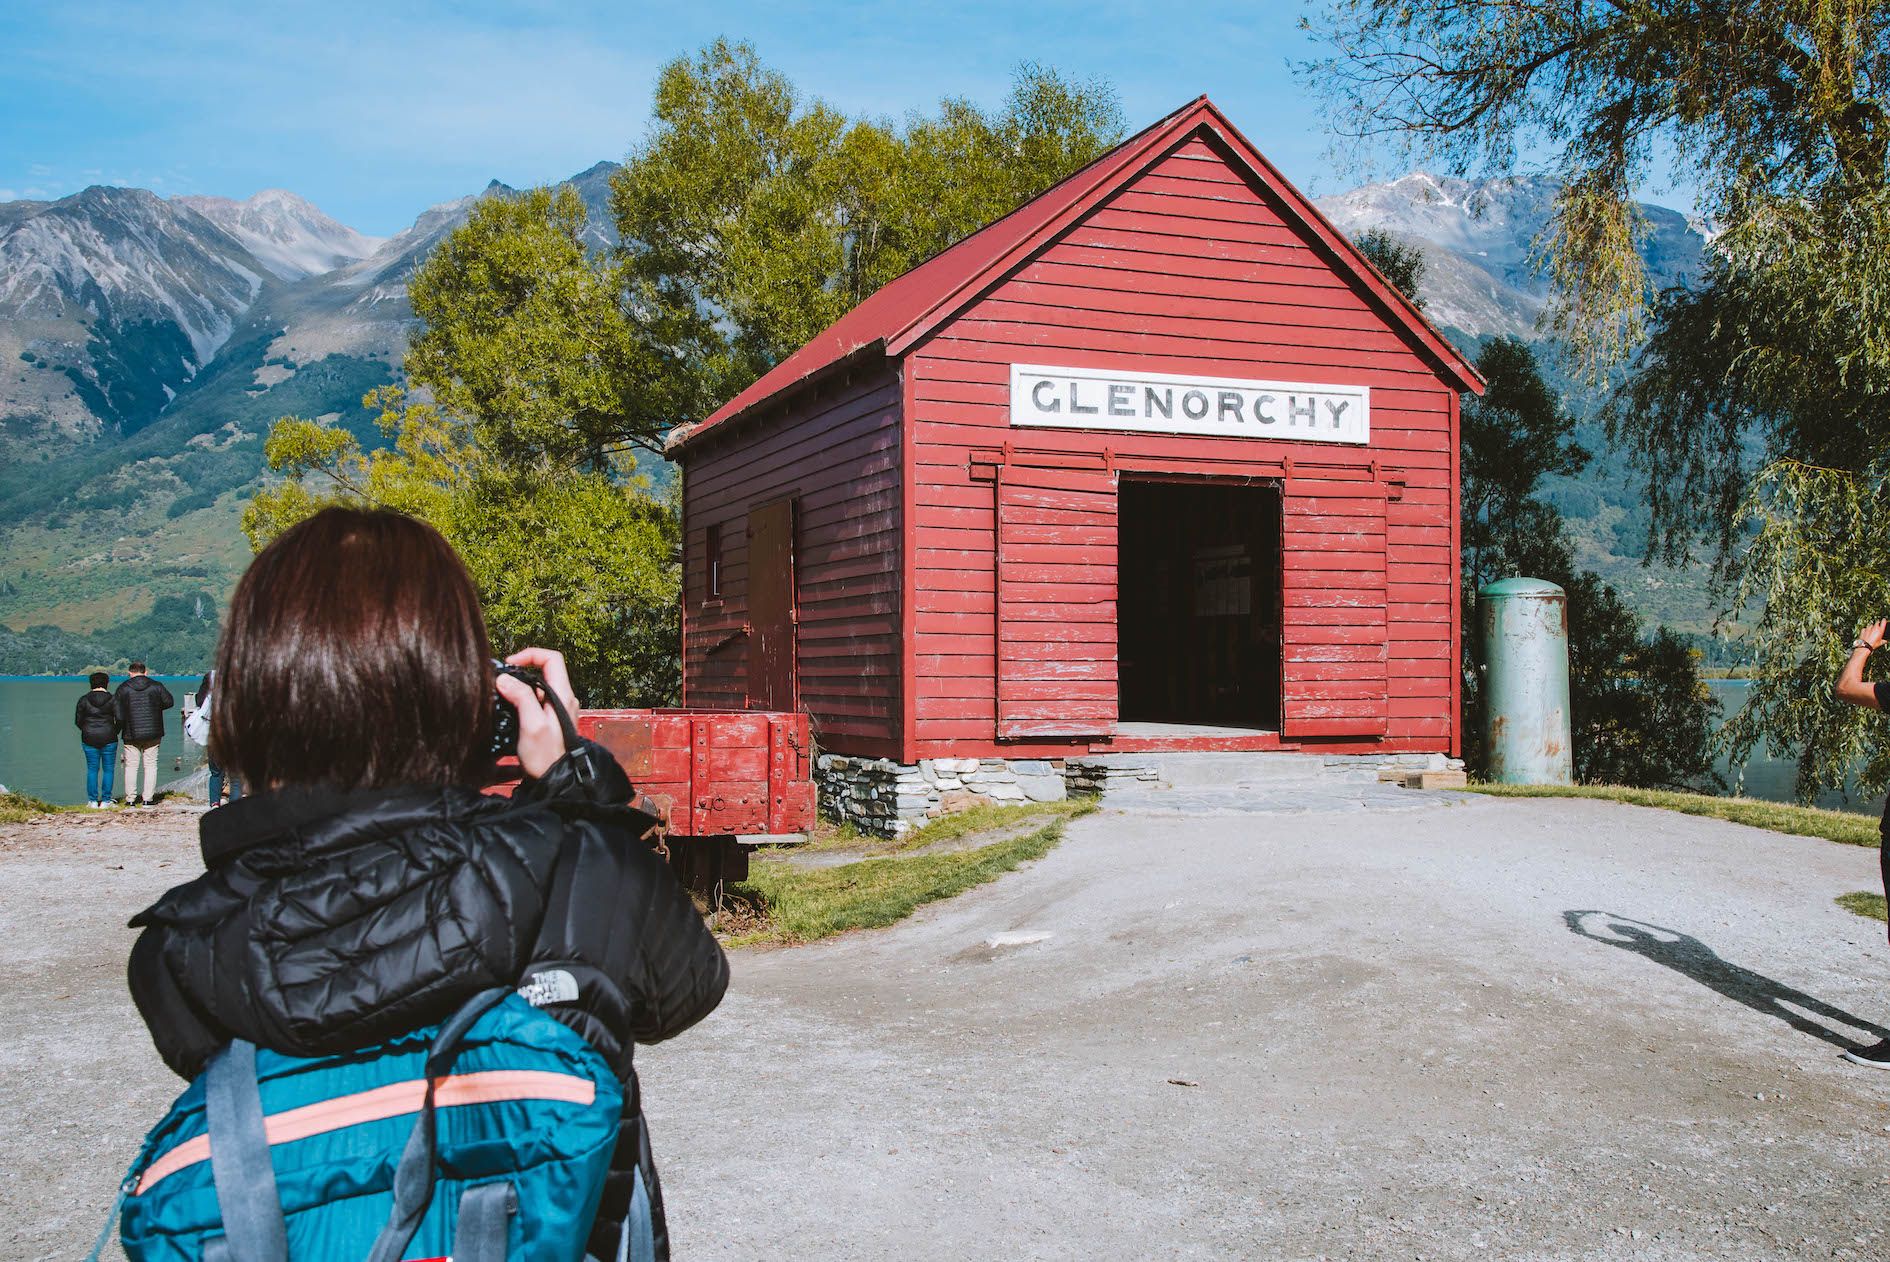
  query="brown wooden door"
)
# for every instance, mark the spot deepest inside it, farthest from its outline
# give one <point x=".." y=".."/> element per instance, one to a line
<point x="1333" y="596"/>
<point x="1056" y="603"/>
<point x="771" y="609"/>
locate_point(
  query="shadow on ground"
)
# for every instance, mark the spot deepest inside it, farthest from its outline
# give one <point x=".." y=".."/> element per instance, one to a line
<point x="1692" y="958"/>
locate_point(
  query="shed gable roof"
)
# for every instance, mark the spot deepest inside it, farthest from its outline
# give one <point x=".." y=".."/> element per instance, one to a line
<point x="904" y="311"/>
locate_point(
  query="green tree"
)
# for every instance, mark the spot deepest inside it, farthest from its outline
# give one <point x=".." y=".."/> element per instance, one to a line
<point x="752" y="218"/>
<point x="544" y="346"/>
<point x="1401" y="262"/>
<point x="583" y="559"/>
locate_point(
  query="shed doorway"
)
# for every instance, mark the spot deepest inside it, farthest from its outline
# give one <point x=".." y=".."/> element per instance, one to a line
<point x="1199" y="621"/>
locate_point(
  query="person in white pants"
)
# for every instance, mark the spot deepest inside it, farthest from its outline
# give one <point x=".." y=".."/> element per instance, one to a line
<point x="147" y="756"/>
<point x="141" y="702"/>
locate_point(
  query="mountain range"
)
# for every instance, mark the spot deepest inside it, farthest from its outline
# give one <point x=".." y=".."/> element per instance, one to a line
<point x="147" y="343"/>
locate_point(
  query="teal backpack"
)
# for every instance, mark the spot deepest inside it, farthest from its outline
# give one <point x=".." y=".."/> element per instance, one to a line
<point x="485" y="1139"/>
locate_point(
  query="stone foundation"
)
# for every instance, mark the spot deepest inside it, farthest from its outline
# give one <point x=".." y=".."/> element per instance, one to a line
<point x="885" y="798"/>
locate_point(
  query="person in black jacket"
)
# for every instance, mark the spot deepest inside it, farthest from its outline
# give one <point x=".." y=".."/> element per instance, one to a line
<point x="96" y="717"/>
<point x="142" y="702"/>
<point x="364" y="886"/>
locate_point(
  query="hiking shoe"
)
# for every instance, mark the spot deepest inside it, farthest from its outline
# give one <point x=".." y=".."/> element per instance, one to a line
<point x="1877" y="1055"/>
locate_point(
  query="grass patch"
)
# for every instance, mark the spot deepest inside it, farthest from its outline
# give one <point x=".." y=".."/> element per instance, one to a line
<point x="1864" y="903"/>
<point x="1849" y="828"/>
<point x="17" y="808"/>
<point x="791" y="904"/>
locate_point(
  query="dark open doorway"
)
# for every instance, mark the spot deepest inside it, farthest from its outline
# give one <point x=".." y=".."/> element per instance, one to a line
<point x="1199" y="618"/>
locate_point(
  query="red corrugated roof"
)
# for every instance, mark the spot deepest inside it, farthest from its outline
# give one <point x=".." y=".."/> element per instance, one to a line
<point x="904" y="310"/>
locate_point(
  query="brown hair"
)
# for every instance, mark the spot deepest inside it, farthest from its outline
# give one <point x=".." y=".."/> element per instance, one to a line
<point x="354" y="656"/>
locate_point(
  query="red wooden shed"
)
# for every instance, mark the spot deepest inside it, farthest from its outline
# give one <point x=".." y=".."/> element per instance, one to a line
<point x="1156" y="461"/>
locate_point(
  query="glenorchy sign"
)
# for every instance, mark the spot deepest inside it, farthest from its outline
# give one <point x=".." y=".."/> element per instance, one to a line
<point x="1159" y="403"/>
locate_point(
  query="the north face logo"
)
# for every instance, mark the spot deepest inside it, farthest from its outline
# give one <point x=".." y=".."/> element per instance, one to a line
<point x="551" y="986"/>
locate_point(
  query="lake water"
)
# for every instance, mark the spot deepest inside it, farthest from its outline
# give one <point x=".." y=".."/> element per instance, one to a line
<point x="39" y="748"/>
<point x="1771" y="777"/>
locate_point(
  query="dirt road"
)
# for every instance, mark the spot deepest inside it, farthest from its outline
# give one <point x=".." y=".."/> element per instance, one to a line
<point x="1499" y="1029"/>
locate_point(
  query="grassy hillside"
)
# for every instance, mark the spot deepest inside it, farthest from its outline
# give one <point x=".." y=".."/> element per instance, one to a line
<point x="97" y="538"/>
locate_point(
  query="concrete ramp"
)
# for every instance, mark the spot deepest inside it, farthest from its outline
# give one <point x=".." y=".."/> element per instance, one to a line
<point x="1187" y="783"/>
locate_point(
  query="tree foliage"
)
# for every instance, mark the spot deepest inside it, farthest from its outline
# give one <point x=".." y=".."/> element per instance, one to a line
<point x="752" y="218"/>
<point x="584" y="559"/>
<point x="1821" y="558"/>
<point x="1401" y="262"/>
<point x="542" y="344"/>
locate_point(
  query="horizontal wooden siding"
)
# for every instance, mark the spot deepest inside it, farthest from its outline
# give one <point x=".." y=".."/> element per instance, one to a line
<point x="835" y="453"/>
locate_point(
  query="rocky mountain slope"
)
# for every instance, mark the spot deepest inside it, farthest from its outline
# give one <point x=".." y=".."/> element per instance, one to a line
<point x="146" y="345"/>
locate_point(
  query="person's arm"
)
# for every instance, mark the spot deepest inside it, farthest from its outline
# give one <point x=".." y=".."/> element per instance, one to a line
<point x="684" y="968"/>
<point x="78" y="714"/>
<point x="166" y="701"/>
<point x="1851" y="685"/>
<point x="585" y="773"/>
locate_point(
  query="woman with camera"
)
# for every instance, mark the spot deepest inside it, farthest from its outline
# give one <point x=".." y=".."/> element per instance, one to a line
<point x="365" y="887"/>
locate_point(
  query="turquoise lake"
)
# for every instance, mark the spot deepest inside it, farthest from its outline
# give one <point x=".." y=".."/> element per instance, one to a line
<point x="39" y="746"/>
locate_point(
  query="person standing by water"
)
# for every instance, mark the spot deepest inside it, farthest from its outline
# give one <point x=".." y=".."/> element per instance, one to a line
<point x="197" y="728"/>
<point x="1852" y="687"/>
<point x="96" y="717"/>
<point x="142" y="702"/>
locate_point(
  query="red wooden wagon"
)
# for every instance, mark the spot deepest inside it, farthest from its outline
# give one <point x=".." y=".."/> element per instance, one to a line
<point x="721" y="781"/>
<point x="1157" y="461"/>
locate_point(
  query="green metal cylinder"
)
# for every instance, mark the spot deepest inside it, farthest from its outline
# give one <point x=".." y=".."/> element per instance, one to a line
<point x="1525" y="682"/>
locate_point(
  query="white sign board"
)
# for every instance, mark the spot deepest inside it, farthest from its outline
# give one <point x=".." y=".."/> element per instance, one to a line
<point x="1158" y="403"/>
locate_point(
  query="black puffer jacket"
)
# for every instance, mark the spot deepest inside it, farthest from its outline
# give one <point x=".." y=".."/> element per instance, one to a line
<point x="142" y="702"/>
<point x="96" y="717"/>
<point x="328" y="921"/>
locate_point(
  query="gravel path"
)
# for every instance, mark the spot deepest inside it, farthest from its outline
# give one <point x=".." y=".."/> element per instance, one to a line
<point x="1439" y="1034"/>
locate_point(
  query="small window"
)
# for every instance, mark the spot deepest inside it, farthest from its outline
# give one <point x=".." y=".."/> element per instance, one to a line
<point x="715" y="563"/>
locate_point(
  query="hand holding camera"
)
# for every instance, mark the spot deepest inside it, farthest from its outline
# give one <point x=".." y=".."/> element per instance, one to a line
<point x="522" y="681"/>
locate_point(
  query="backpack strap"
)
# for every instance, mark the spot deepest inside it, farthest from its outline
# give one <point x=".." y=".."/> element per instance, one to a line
<point x="413" y="1177"/>
<point x="485" y="1214"/>
<point x="240" y="1166"/>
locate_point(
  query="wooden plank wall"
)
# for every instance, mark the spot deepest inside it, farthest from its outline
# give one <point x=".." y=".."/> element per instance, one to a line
<point x="837" y="456"/>
<point x="1056" y="602"/>
<point x="1188" y="270"/>
<point x="1333" y="679"/>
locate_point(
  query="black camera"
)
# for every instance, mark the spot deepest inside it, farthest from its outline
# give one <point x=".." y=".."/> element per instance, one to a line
<point x="505" y="714"/>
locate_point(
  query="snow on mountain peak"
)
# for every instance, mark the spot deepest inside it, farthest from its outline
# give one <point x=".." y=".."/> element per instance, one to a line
<point x="1480" y="237"/>
<point x="287" y="233"/>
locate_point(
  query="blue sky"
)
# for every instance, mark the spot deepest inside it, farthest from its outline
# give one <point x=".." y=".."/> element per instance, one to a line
<point x="376" y="111"/>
